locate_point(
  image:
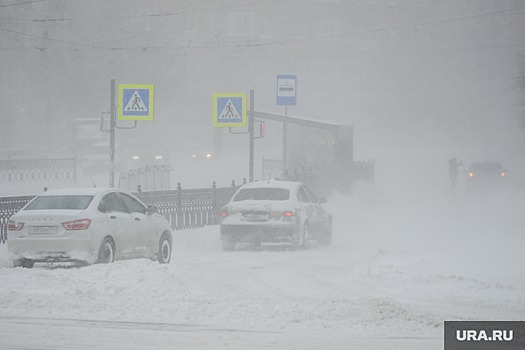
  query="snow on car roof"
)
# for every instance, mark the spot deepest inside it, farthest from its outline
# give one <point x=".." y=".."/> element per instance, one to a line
<point x="273" y="184"/>
<point x="75" y="191"/>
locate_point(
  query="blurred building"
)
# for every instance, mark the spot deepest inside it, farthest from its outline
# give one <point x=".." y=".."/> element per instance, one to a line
<point x="58" y="59"/>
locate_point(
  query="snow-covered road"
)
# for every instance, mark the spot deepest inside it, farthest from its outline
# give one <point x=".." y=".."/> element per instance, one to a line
<point x="400" y="265"/>
<point x="66" y="334"/>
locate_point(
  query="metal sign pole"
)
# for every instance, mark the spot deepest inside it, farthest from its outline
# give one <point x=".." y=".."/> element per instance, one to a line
<point x="112" y="124"/>
<point x="251" y="130"/>
<point x="286" y="95"/>
<point x="285" y="140"/>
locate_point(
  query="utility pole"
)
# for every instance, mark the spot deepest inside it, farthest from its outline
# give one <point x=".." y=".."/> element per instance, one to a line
<point x="112" y="124"/>
<point x="251" y="131"/>
<point x="285" y="142"/>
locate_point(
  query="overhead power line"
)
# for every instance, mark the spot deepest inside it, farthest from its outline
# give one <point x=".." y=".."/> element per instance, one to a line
<point x="147" y="15"/>
<point x="21" y="3"/>
<point x="53" y="40"/>
<point x="280" y="42"/>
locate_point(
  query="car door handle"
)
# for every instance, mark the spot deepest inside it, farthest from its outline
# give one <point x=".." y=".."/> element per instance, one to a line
<point x="112" y="217"/>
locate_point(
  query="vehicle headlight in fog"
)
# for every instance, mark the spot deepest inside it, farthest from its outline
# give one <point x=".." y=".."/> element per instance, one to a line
<point x="201" y="155"/>
<point x="135" y="157"/>
<point x="158" y="157"/>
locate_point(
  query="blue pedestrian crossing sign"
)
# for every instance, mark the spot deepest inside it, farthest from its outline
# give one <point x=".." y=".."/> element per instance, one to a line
<point x="229" y="110"/>
<point x="135" y="101"/>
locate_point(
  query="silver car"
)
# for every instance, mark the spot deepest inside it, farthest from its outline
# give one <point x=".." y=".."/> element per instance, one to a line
<point x="275" y="212"/>
<point x="86" y="226"/>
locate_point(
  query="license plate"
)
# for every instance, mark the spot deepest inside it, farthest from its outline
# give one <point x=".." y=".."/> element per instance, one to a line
<point x="43" y="229"/>
<point x="255" y="216"/>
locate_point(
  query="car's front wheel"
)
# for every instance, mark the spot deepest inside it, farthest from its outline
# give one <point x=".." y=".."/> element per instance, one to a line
<point x="164" y="253"/>
<point x="106" y="253"/>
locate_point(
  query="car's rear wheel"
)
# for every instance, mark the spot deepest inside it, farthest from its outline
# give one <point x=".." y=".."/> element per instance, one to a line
<point x="26" y="263"/>
<point x="106" y="253"/>
<point x="302" y="237"/>
<point x="164" y="254"/>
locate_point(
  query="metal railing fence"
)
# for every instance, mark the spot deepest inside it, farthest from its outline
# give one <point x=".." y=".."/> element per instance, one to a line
<point x="190" y="208"/>
<point x="8" y="207"/>
<point x="149" y="178"/>
<point x="184" y="208"/>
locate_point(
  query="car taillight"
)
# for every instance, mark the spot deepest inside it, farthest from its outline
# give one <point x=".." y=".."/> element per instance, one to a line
<point x="223" y="213"/>
<point x="288" y="213"/>
<point x="12" y="225"/>
<point x="81" y="224"/>
<point x="502" y="174"/>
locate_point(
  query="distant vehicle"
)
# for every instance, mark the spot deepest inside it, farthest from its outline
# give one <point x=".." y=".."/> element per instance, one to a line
<point x="139" y="155"/>
<point x="275" y="212"/>
<point x="86" y="226"/>
<point x="485" y="175"/>
<point x="201" y="155"/>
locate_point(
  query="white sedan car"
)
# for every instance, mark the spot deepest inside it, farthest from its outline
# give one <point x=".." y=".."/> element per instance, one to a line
<point x="86" y="226"/>
<point x="275" y="212"/>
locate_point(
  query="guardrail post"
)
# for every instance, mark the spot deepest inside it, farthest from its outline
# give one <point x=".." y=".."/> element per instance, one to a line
<point x="214" y="217"/>
<point x="178" y="209"/>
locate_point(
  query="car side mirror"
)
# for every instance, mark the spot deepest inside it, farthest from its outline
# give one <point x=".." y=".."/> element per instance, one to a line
<point x="151" y="210"/>
<point x="322" y="200"/>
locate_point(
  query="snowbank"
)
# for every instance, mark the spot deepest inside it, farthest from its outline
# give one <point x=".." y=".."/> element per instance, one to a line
<point x="400" y="265"/>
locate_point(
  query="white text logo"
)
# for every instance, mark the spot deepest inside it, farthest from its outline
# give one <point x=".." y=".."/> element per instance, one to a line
<point x="495" y="335"/>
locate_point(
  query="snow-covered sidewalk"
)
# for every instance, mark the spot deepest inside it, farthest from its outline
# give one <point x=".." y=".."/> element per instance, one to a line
<point x="398" y="268"/>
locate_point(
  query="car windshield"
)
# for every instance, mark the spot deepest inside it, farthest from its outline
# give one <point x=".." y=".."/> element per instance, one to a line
<point x="272" y="194"/>
<point x="486" y="167"/>
<point x="60" y="202"/>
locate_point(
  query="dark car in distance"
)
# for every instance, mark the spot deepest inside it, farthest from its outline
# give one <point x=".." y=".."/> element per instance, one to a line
<point x="485" y="175"/>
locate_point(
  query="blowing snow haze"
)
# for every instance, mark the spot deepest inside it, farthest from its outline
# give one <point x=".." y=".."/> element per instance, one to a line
<point x="420" y="81"/>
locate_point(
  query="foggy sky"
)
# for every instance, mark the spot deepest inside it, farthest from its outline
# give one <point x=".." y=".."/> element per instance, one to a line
<point x="420" y="81"/>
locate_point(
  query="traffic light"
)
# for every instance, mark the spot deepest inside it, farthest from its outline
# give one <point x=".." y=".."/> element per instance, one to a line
<point x="261" y="129"/>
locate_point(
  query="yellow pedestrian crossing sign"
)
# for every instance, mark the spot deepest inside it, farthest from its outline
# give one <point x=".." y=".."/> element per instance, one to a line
<point x="229" y="110"/>
<point x="135" y="101"/>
